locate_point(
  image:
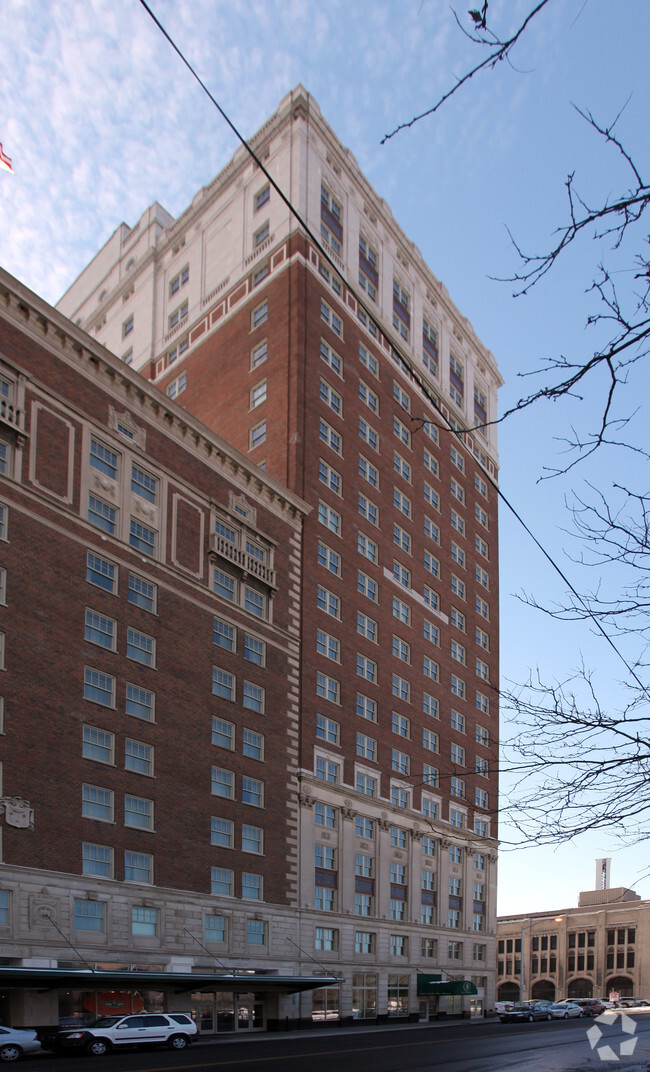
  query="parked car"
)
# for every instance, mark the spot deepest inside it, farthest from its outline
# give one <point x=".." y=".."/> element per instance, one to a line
<point x="530" y="1011"/>
<point x="174" y="1029"/>
<point x="14" y="1042"/>
<point x="632" y="1003"/>
<point x="563" y="1010"/>
<point x="503" y="1006"/>
<point x="589" y="1006"/>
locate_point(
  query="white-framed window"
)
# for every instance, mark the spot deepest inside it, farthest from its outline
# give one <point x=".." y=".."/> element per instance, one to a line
<point x="367" y="547"/>
<point x="482" y="736"/>
<point x="457" y="721"/>
<point x="222" y="832"/>
<point x="223" y="634"/>
<point x="430" y="740"/>
<point x="179" y="280"/>
<point x="481" y="485"/>
<point x="144" y="484"/>
<point x="331" y="560"/>
<point x="140" y="647"/>
<point x="430" y="463"/>
<point x="330" y="437"/>
<point x="482" y="670"/>
<point x="221" y="881"/>
<point x="430" y="705"/>
<point x="140" y="702"/>
<point x="457" y="618"/>
<point x="98" y="687"/>
<point x="177" y="315"/>
<point x="328" y="602"/>
<point x="402" y="538"/>
<point x="223" y="683"/>
<point x="260" y="314"/>
<point x="367" y="586"/>
<point x="457" y="818"/>
<point x="331" y="215"/>
<point x="364" y="827"/>
<point x="366" y="627"/>
<point x="368" y="397"/>
<point x="138" y="756"/>
<point x="96" y="860"/>
<point x="102" y="515"/>
<point x="457" y="787"/>
<point x="259" y="354"/>
<point x="142" y="593"/>
<point x="480" y="798"/>
<point x="401" y="649"/>
<point x="368" y="434"/>
<point x="364" y="904"/>
<point x="253" y="697"/>
<point x="431" y="598"/>
<point x="482" y="639"/>
<point x="331" y="358"/>
<point x="457" y="586"/>
<point x="330" y="477"/>
<point x="177" y="386"/>
<point x="401" y="574"/>
<point x="97" y="803"/>
<point x="366" y="747"/>
<point x="258" y="394"/>
<point x="457" y="687"/>
<point x="400" y="796"/>
<point x="261" y="234"/>
<point x="400" y="762"/>
<point x="262" y="197"/>
<point x="401" y="725"/>
<point x="328" y="645"/>
<point x="256" y="932"/>
<point x="401" y="611"/>
<point x="325" y="899"/>
<point x="429" y="347"/>
<point x="483" y="549"/>
<point x="142" y="537"/>
<point x="457" y="754"/>
<point x="482" y="703"/>
<point x="330" y="518"/>
<point x="368" y="360"/>
<point x="331" y="318"/>
<point x="328" y="770"/>
<point x="331" y="398"/>
<point x="481" y="766"/>
<point x="457" y="490"/>
<point x="328" y="688"/>
<point x="88" y="915"/>
<point x="431" y="632"/>
<point x="368" y="471"/>
<point x="458" y="652"/>
<point x="100" y="630"/>
<point x="257" y="435"/>
<point x="431" y="564"/>
<point x="366" y="707"/>
<point x="368" y="275"/>
<point x="482" y="608"/>
<point x="328" y="729"/>
<point x="138" y="867"/>
<point x="365" y="783"/>
<point x="101" y="572"/>
<point x="456" y="380"/>
<point x="138" y="812"/>
<point x="481" y="827"/>
<point x="325" y="815"/>
<point x="252" y="744"/>
<point x="98" y="745"/>
<point x="431" y="496"/>
<point x="401" y="688"/>
<point x="223" y="783"/>
<point x="252" y="839"/>
<point x="214" y="928"/>
<point x="401" y="431"/>
<point x="366" y="668"/>
<point x="430" y="668"/>
<point x="127" y="326"/>
<point x="401" y="466"/>
<point x="401" y="310"/>
<point x="368" y="509"/>
<point x="402" y="502"/>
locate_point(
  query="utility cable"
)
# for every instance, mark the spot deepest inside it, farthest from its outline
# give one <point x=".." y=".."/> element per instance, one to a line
<point x="396" y="353"/>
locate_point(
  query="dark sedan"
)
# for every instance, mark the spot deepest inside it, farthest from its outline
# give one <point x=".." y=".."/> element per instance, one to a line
<point x="526" y="1012"/>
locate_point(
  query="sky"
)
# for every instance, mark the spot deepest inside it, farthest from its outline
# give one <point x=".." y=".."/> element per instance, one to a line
<point x="100" y="118"/>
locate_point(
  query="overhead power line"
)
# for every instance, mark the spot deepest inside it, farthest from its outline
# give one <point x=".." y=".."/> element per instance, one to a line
<point x="403" y="360"/>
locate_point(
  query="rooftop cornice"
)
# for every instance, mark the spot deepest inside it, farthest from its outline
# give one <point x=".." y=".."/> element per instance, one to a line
<point x="49" y="328"/>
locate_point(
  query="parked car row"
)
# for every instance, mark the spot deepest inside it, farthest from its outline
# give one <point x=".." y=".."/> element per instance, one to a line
<point x="510" y="1012"/>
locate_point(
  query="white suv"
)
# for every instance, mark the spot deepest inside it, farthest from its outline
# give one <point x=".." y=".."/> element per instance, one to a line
<point x="175" y="1029"/>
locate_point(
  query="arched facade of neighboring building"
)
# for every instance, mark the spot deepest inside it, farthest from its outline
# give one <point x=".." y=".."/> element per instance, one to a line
<point x="543" y="990"/>
<point x="580" y="988"/>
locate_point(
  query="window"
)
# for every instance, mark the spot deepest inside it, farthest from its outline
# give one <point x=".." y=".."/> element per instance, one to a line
<point x="326" y="939"/>
<point x="456" y="384"/>
<point x="401" y="314"/>
<point x="367" y="668"/>
<point x="401" y="538"/>
<point x="456" y="818"/>
<point x="252" y="744"/>
<point x="104" y="459"/>
<point x="366" y="747"/>
<point x="214" y="929"/>
<point x="97" y="803"/>
<point x="177" y="386"/>
<point x="328" y="602"/>
<point x="401" y="725"/>
<point x="400" y="762"/>
<point x="482" y="608"/>
<point x="401" y="574"/>
<point x="251" y="886"/>
<point x="327" y="729"/>
<point x="431" y="564"/>
<point x="431" y="598"/>
<point x="97" y="860"/>
<point x="482" y="548"/>
<point x="367" y="547"/>
<point x="260" y="314"/>
<point x="223" y="783"/>
<point x="401" y="611"/>
<point x="368" y="509"/>
<point x="482" y="639"/>
<point x="259" y="354"/>
<point x="400" y="797"/>
<point x="331" y="319"/>
<point x="331" y="358"/>
<point x="222" y="833"/>
<point x="482" y="670"/>
<point x="324" y="815"/>
<point x="431" y="530"/>
<point x="252" y="791"/>
<point x="88" y="915"/>
<point x="365" y="784"/>
<point x="139" y="702"/>
<point x="140" y="647"/>
<point x="364" y="942"/>
<point x="364" y="827"/>
<point x="401" y="688"/>
<point x="257" y="435"/>
<point x="172" y="355"/>
<point x="368" y="397"/>
<point x="142" y="593"/>
<point x="457" y="754"/>
<point x="368" y="471"/>
<point x="257" y="394"/>
<point x="253" y="697"/>
<point x="99" y="688"/>
<point x="401" y="466"/>
<point x="368" y="275"/>
<point x="101" y="572"/>
<point x="262" y="197"/>
<point x="363" y="904"/>
<point x="430" y="668"/>
<point x="261" y="235"/>
<point x="402" y="502"/>
<point x="138" y="812"/>
<point x="431" y="741"/>
<point x="98" y="745"/>
<point x="256" y="932"/>
<point x="329" y="559"/>
<point x="457" y="619"/>
<point x="325" y="899"/>
<point x="223" y="684"/>
<point x="100" y="630"/>
<point x="221" y="881"/>
<point x="429" y="347"/>
<point x="458" y="587"/>
<point x="457" y="652"/>
<point x="366" y="708"/>
<point x="457" y="787"/>
<point x="431" y="497"/>
<point x="430" y="705"/>
<point x="331" y="228"/>
<point x="179" y="280"/>
<point x="223" y="733"/>
<point x="330" y="437"/>
<point x="223" y="635"/>
<point x="480" y="798"/>
<point x="457" y="722"/>
<point x="368" y="360"/>
<point x="481" y="766"/>
<point x="366" y="626"/>
<point x="177" y="315"/>
<point x="142" y="537"/>
<point x="431" y="633"/>
<point x="328" y="688"/>
<point x="102" y="515"/>
<point x="367" y="586"/>
<point x="144" y="484"/>
<point x="479" y="861"/>
<point x="330" y="518"/>
<point x="138" y="867"/>
<point x="401" y="650"/>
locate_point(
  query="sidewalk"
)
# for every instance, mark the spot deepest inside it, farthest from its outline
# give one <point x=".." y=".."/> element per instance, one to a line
<point x="338" y="1029"/>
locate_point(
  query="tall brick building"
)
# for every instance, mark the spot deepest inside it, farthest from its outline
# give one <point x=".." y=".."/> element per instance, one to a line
<point x="356" y="384"/>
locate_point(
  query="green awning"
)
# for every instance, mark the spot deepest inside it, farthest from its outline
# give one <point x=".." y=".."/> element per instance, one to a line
<point x="434" y="986"/>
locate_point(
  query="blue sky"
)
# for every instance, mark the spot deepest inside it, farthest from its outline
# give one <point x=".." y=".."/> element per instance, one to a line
<point x="100" y="119"/>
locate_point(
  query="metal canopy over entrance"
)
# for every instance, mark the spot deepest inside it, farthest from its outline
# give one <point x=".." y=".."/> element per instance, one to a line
<point x="165" y="982"/>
